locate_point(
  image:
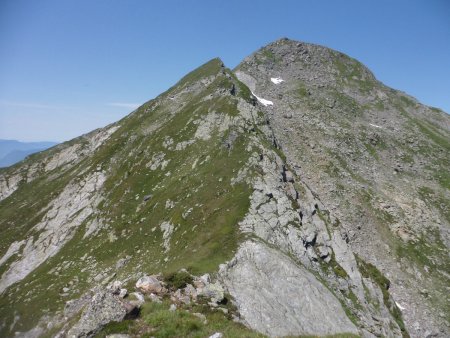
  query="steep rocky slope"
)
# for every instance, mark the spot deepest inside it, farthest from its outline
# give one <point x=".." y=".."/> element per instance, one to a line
<point x="316" y="197"/>
<point x="378" y="159"/>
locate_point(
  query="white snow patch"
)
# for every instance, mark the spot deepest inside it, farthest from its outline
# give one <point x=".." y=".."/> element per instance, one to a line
<point x="399" y="306"/>
<point x="263" y="101"/>
<point x="376" y="126"/>
<point x="276" y="80"/>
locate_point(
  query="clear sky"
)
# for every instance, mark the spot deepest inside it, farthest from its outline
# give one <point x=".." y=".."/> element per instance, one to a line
<point x="70" y="66"/>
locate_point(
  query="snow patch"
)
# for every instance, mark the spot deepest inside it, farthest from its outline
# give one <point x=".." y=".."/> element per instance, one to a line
<point x="263" y="101"/>
<point x="374" y="125"/>
<point x="276" y="80"/>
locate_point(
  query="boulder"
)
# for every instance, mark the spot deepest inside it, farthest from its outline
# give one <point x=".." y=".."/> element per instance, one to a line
<point x="200" y="316"/>
<point x="278" y="297"/>
<point x="136" y="298"/>
<point x="206" y="278"/>
<point x="123" y="293"/>
<point x="216" y="335"/>
<point x="155" y="298"/>
<point x="213" y="291"/>
<point x="179" y="297"/>
<point x="288" y="176"/>
<point x="151" y="284"/>
<point x="115" y="287"/>
<point x="323" y="251"/>
<point x="74" y="306"/>
<point x="103" y="308"/>
<point x="190" y="291"/>
<point x="201" y="282"/>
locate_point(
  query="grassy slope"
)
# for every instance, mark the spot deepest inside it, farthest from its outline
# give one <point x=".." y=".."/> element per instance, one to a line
<point x="201" y="240"/>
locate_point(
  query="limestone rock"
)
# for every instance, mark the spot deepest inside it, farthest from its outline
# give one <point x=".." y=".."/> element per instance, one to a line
<point x="102" y="309"/>
<point x="213" y="291"/>
<point x="151" y="284"/>
<point x="271" y="292"/>
<point x="216" y="335"/>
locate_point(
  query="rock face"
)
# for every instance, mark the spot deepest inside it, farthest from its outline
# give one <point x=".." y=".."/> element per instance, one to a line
<point x="279" y="298"/>
<point x="321" y="192"/>
<point x="103" y="308"/>
<point x="66" y="212"/>
<point x="363" y="149"/>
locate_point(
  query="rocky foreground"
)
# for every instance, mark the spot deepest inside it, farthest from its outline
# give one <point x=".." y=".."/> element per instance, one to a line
<point x="113" y="303"/>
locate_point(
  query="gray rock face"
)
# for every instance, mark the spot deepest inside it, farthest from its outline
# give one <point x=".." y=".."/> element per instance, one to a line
<point x="102" y="309"/>
<point x="363" y="149"/>
<point x="278" y="297"/>
<point x="68" y="211"/>
<point x="288" y="215"/>
<point x="60" y="157"/>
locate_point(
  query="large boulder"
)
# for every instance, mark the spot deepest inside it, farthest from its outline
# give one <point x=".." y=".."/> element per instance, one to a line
<point x="151" y="284"/>
<point x="213" y="291"/>
<point x="278" y="297"/>
<point x="103" y="308"/>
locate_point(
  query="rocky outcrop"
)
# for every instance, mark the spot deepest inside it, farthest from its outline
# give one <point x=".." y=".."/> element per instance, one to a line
<point x="285" y="213"/>
<point x="363" y="148"/>
<point x="102" y="309"/>
<point x="272" y="294"/>
<point x="68" y="211"/>
<point x="62" y="157"/>
<point x="151" y="284"/>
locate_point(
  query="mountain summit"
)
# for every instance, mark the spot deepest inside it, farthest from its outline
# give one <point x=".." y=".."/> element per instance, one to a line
<point x="293" y="195"/>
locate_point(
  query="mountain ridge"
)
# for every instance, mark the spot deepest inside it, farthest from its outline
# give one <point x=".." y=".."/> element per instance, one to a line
<point x="204" y="176"/>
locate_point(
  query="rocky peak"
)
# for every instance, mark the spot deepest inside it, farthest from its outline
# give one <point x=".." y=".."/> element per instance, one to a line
<point x="362" y="147"/>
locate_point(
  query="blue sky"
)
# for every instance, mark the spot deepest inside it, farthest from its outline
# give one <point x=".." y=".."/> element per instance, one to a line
<point x="67" y="67"/>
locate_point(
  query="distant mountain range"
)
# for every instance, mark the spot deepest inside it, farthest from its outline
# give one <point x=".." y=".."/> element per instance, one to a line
<point x="12" y="151"/>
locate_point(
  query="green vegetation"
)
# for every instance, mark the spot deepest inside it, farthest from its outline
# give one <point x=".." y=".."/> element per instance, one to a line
<point x="339" y="335"/>
<point x="302" y="91"/>
<point x="192" y="192"/>
<point x="178" y="280"/>
<point x="337" y="268"/>
<point x="372" y="150"/>
<point x="433" y="134"/>
<point x="156" y="320"/>
<point x="369" y="270"/>
<point x="407" y="101"/>
<point x="354" y="73"/>
<point x="268" y="55"/>
<point x="210" y="68"/>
